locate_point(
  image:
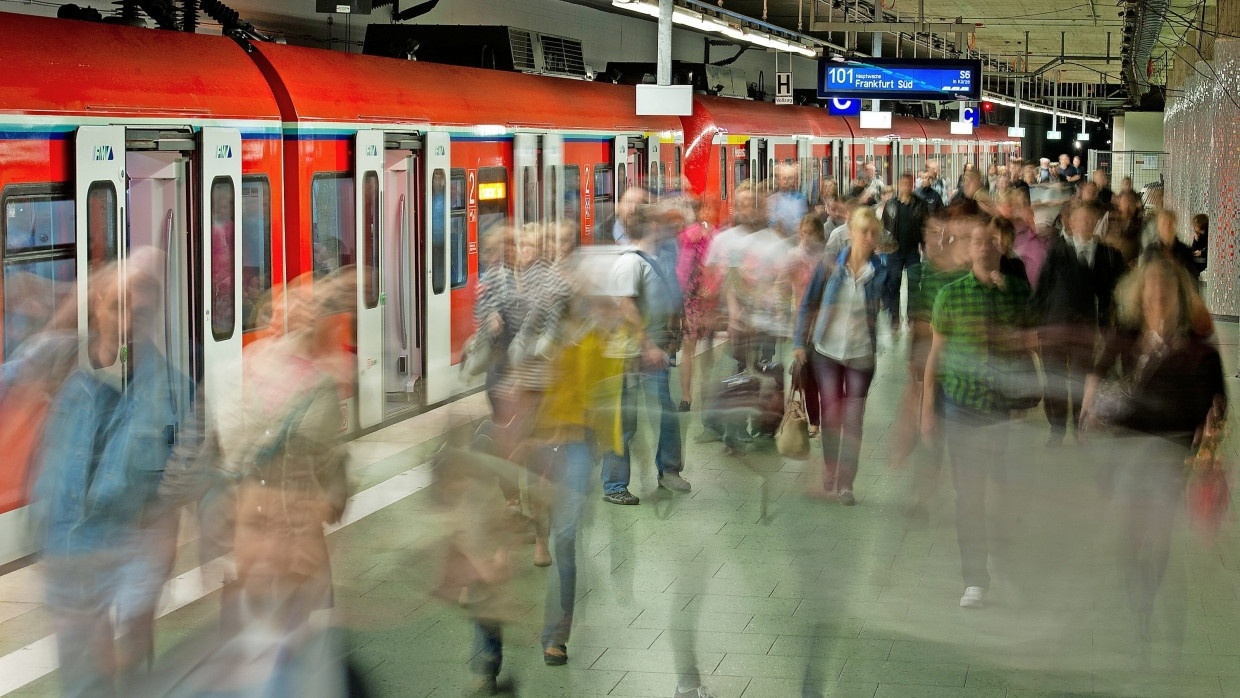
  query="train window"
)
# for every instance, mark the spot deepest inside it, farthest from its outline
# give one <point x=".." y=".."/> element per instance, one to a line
<point x="223" y="258"/>
<point x="656" y="178"/>
<point x="458" y="244"/>
<point x="370" y="240"/>
<point x="439" y="202"/>
<point x="101" y="245"/>
<point x="622" y="179"/>
<point x="741" y="168"/>
<point x="572" y="195"/>
<point x="604" y="190"/>
<point x="40" y="260"/>
<point x="552" y="194"/>
<point x="678" y="166"/>
<point x="492" y="211"/>
<point x="101" y="236"/>
<point x="255" y="252"/>
<point x="332" y="223"/>
<point x="530" y="174"/>
<point x="723" y="173"/>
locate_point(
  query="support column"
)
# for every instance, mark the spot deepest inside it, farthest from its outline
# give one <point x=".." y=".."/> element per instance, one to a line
<point x="665" y="42"/>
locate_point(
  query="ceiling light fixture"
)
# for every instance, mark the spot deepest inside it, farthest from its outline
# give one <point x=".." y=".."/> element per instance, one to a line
<point x="704" y="23"/>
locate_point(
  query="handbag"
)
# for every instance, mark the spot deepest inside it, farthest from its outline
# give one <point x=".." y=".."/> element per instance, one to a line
<point x="792" y="437"/>
<point x="477" y="354"/>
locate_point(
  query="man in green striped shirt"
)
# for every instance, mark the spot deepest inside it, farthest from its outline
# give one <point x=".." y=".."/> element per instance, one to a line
<point x="979" y="327"/>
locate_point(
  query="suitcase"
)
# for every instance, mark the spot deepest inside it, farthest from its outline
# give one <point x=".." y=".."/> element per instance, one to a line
<point x="770" y="399"/>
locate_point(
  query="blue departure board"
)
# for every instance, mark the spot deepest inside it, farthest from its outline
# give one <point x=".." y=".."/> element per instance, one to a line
<point x="900" y="78"/>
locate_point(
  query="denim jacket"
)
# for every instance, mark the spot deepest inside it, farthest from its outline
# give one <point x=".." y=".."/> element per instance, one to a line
<point x="104" y="454"/>
<point x="823" y="290"/>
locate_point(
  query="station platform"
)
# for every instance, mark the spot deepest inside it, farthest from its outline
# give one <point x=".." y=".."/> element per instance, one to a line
<point x="756" y="584"/>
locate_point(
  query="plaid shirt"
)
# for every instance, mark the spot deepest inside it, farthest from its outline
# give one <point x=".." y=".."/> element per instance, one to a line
<point x="968" y="313"/>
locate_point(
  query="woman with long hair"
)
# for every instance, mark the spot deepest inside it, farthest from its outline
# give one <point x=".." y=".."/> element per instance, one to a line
<point x="1166" y="378"/>
<point x="836" y="333"/>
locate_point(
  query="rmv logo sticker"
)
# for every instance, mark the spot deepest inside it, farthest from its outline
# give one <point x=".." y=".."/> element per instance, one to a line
<point x="103" y="152"/>
<point x="372" y="150"/>
<point x="224" y="152"/>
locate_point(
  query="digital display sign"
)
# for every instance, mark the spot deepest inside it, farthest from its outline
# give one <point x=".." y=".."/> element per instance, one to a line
<point x="900" y="78"/>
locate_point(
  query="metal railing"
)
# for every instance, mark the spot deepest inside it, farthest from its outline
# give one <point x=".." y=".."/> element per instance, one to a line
<point x="1143" y="166"/>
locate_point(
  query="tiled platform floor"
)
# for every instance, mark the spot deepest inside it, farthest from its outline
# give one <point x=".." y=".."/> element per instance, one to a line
<point x="860" y="597"/>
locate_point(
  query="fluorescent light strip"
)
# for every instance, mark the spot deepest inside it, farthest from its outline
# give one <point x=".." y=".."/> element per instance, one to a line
<point x="704" y="23"/>
<point x="1025" y="106"/>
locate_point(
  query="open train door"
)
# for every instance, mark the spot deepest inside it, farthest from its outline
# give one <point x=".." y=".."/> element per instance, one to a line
<point x="100" y="192"/>
<point x="368" y="153"/>
<point x="441" y="380"/>
<point x="220" y="194"/>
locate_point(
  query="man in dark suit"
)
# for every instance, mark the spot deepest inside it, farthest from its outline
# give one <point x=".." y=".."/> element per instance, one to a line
<point x="1073" y="302"/>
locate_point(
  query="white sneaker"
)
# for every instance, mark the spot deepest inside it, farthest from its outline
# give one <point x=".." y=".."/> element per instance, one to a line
<point x="974" y="597"/>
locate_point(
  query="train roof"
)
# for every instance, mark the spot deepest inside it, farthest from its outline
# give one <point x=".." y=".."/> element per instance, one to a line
<point x="749" y="118"/>
<point x="994" y="134"/>
<point x="332" y="86"/>
<point x="63" y="66"/>
<point x="902" y="128"/>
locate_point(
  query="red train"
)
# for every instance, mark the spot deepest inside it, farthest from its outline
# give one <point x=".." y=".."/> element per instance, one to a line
<point x="253" y="166"/>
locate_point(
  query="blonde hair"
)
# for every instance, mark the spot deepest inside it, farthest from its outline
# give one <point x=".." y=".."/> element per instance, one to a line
<point x="1194" y="317"/>
<point x="864" y="217"/>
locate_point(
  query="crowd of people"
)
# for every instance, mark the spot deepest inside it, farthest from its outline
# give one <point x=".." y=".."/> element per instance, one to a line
<point x="1033" y="286"/>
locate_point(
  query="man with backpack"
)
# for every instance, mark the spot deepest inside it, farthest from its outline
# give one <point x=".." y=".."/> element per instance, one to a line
<point x="647" y="298"/>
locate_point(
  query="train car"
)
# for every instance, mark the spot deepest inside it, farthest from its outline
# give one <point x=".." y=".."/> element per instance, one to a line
<point x="113" y="139"/>
<point x="730" y="141"/>
<point x="444" y="154"/>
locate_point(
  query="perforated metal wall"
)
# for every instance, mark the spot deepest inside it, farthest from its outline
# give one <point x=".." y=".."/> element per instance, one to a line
<point x="1202" y="132"/>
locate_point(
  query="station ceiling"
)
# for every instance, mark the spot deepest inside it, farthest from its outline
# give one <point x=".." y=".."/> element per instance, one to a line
<point x="1081" y="27"/>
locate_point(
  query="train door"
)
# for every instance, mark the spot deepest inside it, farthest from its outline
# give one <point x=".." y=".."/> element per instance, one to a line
<point x="553" y="180"/>
<point x="620" y="158"/>
<point x="402" y="335"/>
<point x="159" y="168"/>
<point x="656" y="174"/>
<point x="368" y="153"/>
<point x="100" y="160"/>
<point x="635" y="159"/>
<point x="441" y="381"/>
<point x="219" y="192"/>
<point x="528" y="193"/>
<point x="757" y="161"/>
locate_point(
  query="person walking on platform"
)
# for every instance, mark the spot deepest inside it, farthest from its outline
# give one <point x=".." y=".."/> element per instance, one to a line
<point x="904" y="217"/>
<point x="836" y="333"/>
<point x="1169" y="245"/>
<point x="105" y="559"/>
<point x="1172" y="377"/>
<point x="646" y="300"/>
<point x="725" y="258"/>
<point x="1072" y="306"/>
<point x="978" y="333"/>
<point x="699" y="295"/>
<point x="946" y="261"/>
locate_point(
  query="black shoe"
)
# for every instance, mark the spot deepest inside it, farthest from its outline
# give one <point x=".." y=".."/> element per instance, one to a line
<point x="623" y="497"/>
<point x="684" y="406"/>
<point x="847" y="498"/>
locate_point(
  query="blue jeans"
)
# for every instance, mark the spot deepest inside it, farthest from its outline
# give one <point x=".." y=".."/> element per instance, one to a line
<point x="896" y="264"/>
<point x="669" y="456"/>
<point x="570" y="467"/>
<point x="488" y="647"/>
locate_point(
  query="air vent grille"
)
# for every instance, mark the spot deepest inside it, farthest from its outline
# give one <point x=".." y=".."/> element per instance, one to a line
<point x="522" y="50"/>
<point x="562" y="56"/>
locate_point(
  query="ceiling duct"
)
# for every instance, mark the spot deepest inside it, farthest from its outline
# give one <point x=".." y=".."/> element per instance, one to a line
<point x="495" y="47"/>
<point x="1143" y="20"/>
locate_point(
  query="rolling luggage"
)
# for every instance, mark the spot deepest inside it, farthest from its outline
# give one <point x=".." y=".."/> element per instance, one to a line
<point x="771" y="398"/>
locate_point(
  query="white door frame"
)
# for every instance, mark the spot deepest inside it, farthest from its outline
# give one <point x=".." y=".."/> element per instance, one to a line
<point x="368" y="162"/>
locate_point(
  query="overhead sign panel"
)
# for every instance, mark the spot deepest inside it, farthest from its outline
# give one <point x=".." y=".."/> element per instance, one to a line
<point x="844" y="107"/>
<point x="900" y="78"/>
